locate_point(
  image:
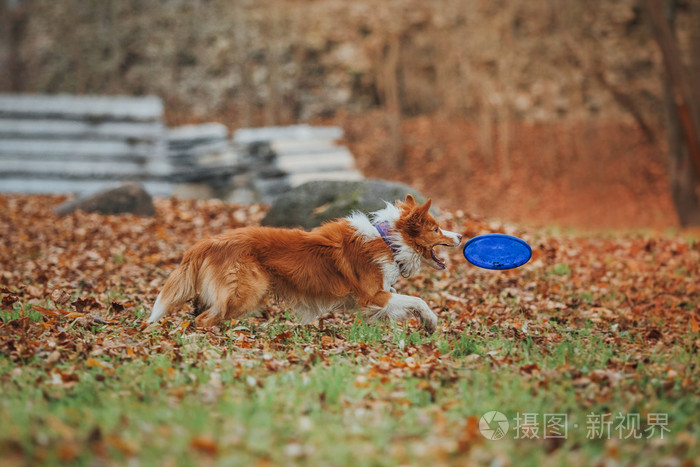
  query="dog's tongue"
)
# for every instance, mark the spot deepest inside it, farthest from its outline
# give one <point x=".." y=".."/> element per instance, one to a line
<point x="436" y="259"/>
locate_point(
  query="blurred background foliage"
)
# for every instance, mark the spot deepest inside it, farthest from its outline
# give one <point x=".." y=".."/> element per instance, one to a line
<point x="547" y="111"/>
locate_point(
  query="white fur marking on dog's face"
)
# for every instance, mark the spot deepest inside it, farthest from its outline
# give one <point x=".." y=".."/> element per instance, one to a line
<point x="362" y="225"/>
<point x="453" y="235"/>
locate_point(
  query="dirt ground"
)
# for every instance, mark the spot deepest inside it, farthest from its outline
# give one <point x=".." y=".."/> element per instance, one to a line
<point x="589" y="175"/>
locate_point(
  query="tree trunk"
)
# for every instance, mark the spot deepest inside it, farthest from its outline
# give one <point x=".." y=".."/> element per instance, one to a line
<point x="684" y="181"/>
<point x="683" y="115"/>
<point x="392" y="100"/>
<point x="14" y="20"/>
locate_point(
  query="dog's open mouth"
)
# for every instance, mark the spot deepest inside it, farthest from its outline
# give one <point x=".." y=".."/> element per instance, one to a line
<point x="439" y="264"/>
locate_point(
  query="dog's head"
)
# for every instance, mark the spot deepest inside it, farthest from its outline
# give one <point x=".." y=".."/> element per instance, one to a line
<point x="421" y="232"/>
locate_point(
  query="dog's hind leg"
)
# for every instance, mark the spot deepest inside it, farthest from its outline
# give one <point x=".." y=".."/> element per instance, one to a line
<point x="239" y="292"/>
<point x="197" y="307"/>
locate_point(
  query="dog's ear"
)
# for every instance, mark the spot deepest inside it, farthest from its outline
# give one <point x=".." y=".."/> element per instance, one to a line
<point x="426" y="207"/>
<point x="410" y="201"/>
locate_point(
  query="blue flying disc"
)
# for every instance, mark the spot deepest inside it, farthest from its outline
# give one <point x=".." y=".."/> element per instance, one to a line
<point x="497" y="251"/>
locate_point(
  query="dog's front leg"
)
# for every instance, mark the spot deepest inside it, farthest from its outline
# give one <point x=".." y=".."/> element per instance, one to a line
<point x="397" y="307"/>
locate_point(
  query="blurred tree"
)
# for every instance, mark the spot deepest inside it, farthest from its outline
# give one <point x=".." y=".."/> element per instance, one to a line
<point x="12" y="28"/>
<point x="683" y="106"/>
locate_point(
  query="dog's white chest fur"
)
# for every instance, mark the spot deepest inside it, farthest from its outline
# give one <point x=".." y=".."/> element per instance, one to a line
<point x="405" y="255"/>
<point x="390" y="271"/>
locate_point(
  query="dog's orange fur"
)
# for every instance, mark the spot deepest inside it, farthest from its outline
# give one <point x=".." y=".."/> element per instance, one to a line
<point x="232" y="273"/>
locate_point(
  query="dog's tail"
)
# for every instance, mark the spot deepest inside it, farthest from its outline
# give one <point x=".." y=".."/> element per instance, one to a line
<point x="179" y="288"/>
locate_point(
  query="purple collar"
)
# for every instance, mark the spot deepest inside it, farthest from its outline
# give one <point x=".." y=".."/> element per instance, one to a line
<point x="383" y="229"/>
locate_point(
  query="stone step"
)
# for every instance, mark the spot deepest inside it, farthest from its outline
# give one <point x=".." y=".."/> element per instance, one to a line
<point x="339" y="159"/>
<point x="76" y="149"/>
<point x="79" y="130"/>
<point x="91" y="108"/>
<point x="77" y="185"/>
<point x="103" y="169"/>
<point x="294" y="132"/>
<point x="297" y="179"/>
<point x="191" y="134"/>
<point x="303" y="147"/>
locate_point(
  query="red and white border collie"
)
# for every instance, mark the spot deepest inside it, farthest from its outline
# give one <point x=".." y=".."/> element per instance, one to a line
<point x="351" y="261"/>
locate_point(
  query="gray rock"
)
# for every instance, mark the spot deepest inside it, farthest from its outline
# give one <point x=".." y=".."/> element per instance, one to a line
<point x="127" y="198"/>
<point x="311" y="204"/>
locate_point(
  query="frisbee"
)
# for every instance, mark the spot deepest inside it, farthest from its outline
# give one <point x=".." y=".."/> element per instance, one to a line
<point x="497" y="251"/>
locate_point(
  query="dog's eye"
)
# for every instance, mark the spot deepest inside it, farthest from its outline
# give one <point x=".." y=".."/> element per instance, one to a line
<point x="436" y="229"/>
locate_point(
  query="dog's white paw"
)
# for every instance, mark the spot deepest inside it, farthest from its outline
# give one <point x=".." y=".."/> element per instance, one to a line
<point x="429" y="320"/>
<point x="402" y="307"/>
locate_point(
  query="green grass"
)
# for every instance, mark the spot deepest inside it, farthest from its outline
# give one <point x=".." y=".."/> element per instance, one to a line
<point x="19" y="310"/>
<point x="335" y="409"/>
<point x="561" y="270"/>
